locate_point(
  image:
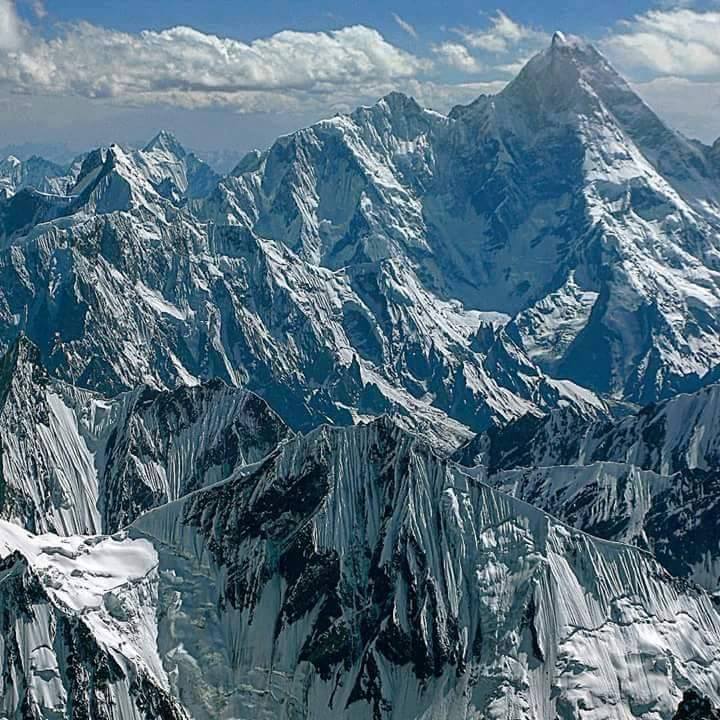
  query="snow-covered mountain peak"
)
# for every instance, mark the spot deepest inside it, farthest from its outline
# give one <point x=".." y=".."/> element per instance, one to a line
<point x="166" y="141"/>
<point x="249" y="162"/>
<point x="401" y="114"/>
<point x="565" y="76"/>
<point x="117" y="178"/>
<point x="558" y="38"/>
<point x="73" y="461"/>
<point x="9" y="163"/>
<point x="397" y="102"/>
<point x="564" y="42"/>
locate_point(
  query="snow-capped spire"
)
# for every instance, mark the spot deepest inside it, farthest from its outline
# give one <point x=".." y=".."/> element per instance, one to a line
<point x="561" y="40"/>
<point x="558" y="39"/>
<point x="398" y="101"/>
<point x="569" y="73"/>
<point x="167" y="142"/>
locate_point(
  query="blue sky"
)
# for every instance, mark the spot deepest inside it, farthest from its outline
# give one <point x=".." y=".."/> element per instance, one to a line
<point x="249" y="20"/>
<point x="231" y="75"/>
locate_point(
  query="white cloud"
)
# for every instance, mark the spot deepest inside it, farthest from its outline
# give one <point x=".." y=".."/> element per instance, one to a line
<point x="502" y="35"/>
<point x="674" y="57"/>
<point x="39" y="9"/>
<point x="301" y="73"/>
<point x="11" y="31"/>
<point x="681" y="42"/>
<point x="187" y="67"/>
<point x="457" y="56"/>
<point x="442" y="96"/>
<point x="406" y="26"/>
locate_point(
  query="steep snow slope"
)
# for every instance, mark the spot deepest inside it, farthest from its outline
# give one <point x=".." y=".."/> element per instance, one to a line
<point x="120" y="287"/>
<point x="47" y="475"/>
<point x="73" y="462"/>
<point x="78" y="629"/>
<point x="650" y="478"/>
<point x="563" y="200"/>
<point x="676" y="435"/>
<point x="35" y="172"/>
<point x="355" y="573"/>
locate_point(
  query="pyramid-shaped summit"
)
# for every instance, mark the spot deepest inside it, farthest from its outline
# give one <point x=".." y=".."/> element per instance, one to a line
<point x="167" y="142"/>
<point x="563" y="201"/>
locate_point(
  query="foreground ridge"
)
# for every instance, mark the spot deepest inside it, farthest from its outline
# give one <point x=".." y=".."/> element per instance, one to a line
<point x="392" y="580"/>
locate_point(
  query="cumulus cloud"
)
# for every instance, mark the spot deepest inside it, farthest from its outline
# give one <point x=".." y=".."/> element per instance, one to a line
<point x="406" y="26"/>
<point x="302" y="73"/>
<point x="184" y="66"/>
<point x="680" y="42"/>
<point x="11" y="31"/>
<point x="457" y="56"/>
<point x="503" y="35"/>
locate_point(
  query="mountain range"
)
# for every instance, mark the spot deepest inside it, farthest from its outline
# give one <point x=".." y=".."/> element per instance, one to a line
<point x="409" y="416"/>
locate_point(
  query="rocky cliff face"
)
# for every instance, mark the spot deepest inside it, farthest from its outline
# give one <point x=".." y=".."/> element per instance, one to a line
<point x="356" y="573"/>
<point x="649" y="478"/>
<point x="695" y="707"/>
<point x="74" y="462"/>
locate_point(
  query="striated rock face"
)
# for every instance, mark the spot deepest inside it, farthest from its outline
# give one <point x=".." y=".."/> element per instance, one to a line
<point x="48" y="481"/>
<point x="75" y="462"/>
<point x="355" y="573"/>
<point x="649" y="478"/>
<point x="167" y="444"/>
<point x="562" y="201"/>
